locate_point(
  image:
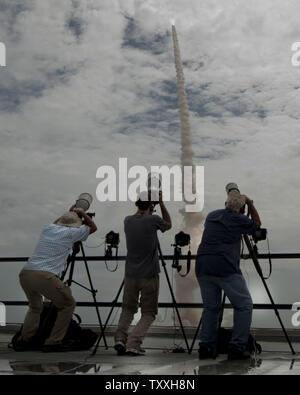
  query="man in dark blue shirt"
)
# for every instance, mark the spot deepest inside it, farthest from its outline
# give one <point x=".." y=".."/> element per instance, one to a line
<point x="218" y="268"/>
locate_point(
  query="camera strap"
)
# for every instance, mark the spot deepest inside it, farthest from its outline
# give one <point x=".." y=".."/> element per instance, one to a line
<point x="270" y="262"/>
<point x="188" y="265"/>
<point x="108" y="254"/>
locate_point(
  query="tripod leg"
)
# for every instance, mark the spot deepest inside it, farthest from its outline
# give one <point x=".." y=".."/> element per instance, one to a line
<point x="94" y="294"/>
<point x="108" y="318"/>
<point x="259" y="271"/>
<point x="173" y="297"/>
<point x="278" y="316"/>
<point x="195" y="336"/>
<point x="176" y="309"/>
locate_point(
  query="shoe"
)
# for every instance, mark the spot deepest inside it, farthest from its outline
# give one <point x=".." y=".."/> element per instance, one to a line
<point x="135" y="351"/>
<point x="120" y="347"/>
<point x="22" y="345"/>
<point x="205" y="352"/>
<point x="234" y="354"/>
<point x="56" y="348"/>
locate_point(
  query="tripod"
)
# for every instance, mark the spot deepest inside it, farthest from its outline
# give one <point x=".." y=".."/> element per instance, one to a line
<point x="70" y="265"/>
<point x="253" y="256"/>
<point x="172" y="295"/>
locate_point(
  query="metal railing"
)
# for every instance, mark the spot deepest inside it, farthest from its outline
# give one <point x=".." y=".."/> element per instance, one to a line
<point x="258" y="306"/>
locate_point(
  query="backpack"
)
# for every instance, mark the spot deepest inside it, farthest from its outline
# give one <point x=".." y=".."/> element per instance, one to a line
<point x="224" y="337"/>
<point x="79" y="338"/>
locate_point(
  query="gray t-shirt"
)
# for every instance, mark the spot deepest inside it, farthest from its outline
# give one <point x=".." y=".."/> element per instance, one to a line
<point x="141" y="239"/>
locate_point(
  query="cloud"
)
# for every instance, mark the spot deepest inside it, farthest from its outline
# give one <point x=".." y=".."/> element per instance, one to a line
<point x="86" y="84"/>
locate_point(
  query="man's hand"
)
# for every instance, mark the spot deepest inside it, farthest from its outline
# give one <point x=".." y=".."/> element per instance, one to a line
<point x="88" y="221"/>
<point x="72" y="207"/>
<point x="79" y="211"/>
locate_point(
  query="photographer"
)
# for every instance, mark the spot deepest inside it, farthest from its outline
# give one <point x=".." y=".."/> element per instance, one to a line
<point x="39" y="277"/>
<point x="141" y="274"/>
<point x="218" y="268"/>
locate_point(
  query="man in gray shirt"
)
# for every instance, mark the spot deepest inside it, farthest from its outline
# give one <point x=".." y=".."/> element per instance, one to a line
<point x="141" y="274"/>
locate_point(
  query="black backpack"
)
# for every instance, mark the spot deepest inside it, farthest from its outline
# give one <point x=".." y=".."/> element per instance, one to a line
<point x="79" y="339"/>
<point x="224" y="337"/>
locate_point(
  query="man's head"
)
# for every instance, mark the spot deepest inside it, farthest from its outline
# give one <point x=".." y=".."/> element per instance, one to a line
<point x="70" y="219"/>
<point x="235" y="201"/>
<point x="143" y="203"/>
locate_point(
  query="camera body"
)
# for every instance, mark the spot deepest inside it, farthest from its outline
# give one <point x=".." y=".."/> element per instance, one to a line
<point x="259" y="235"/>
<point x="112" y="239"/>
<point x="182" y="239"/>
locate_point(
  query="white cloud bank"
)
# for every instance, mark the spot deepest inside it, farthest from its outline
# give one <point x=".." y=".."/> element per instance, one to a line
<point x="87" y="84"/>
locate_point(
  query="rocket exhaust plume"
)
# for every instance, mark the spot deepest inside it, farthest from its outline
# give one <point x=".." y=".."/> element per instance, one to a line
<point x="185" y="287"/>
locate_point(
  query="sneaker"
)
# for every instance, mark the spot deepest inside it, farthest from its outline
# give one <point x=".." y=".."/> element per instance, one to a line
<point x="22" y="345"/>
<point x="56" y="348"/>
<point x="205" y="352"/>
<point x="234" y="354"/>
<point x="120" y="347"/>
<point x="135" y="351"/>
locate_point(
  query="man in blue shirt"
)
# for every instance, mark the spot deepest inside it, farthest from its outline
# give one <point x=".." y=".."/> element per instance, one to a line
<point x="39" y="278"/>
<point x="218" y="268"/>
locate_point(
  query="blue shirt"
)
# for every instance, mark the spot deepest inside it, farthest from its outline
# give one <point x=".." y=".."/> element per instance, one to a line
<point x="54" y="247"/>
<point x="219" y="251"/>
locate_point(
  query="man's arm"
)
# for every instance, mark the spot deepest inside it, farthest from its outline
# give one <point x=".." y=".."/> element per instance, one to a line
<point x="164" y="213"/>
<point x="253" y="212"/>
<point x="88" y="220"/>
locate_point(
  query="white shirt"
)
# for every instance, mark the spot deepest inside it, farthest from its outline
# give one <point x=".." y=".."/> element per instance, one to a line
<point x="54" y="247"/>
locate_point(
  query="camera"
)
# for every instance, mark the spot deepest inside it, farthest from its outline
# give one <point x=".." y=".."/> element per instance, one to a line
<point x="259" y="235"/>
<point x="91" y="215"/>
<point x="182" y="239"/>
<point x="112" y="239"/>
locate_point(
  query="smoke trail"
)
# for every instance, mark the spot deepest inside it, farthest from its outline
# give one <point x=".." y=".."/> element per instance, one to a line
<point x="185" y="287"/>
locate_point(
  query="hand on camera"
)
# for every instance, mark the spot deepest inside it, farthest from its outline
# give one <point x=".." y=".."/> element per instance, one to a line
<point x="79" y="211"/>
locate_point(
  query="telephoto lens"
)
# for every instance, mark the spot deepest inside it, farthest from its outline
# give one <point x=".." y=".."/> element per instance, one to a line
<point x="154" y="187"/>
<point x="84" y="201"/>
<point x="232" y="186"/>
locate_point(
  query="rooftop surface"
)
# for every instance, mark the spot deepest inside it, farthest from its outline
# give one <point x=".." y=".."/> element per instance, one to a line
<point x="276" y="359"/>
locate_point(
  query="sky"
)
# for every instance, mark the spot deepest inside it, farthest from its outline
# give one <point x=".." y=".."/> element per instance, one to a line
<point x="86" y="83"/>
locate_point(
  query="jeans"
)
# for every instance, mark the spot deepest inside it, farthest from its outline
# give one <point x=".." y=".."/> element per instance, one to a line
<point x="236" y="290"/>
